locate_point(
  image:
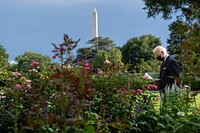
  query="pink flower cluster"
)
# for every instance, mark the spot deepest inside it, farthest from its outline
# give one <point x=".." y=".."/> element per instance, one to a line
<point x="87" y="66"/>
<point x="150" y="86"/>
<point x="124" y="91"/>
<point x="19" y="86"/>
<point x="100" y="72"/>
<point x="139" y="91"/>
<point x="35" y="63"/>
<point x="16" y="74"/>
<point x="79" y="62"/>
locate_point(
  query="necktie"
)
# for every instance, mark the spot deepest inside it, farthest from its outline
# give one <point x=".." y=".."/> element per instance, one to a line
<point x="161" y="66"/>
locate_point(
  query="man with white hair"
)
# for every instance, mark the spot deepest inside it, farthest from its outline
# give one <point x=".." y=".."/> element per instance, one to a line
<point x="169" y="71"/>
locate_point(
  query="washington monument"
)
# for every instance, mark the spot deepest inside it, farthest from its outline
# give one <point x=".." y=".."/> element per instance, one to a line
<point x="94" y="24"/>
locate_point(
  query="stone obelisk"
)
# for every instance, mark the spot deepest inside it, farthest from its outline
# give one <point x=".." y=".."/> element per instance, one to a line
<point x="94" y="24"/>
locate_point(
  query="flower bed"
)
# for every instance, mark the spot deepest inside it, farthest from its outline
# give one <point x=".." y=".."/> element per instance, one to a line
<point x="71" y="98"/>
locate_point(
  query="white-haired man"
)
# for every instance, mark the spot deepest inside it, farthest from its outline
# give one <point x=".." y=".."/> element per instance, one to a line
<point x="169" y="70"/>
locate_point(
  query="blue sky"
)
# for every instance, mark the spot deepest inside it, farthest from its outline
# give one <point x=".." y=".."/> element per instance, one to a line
<point x="34" y="24"/>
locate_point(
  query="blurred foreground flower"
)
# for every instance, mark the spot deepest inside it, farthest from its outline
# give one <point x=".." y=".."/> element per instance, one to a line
<point x="87" y="66"/>
<point x="54" y="56"/>
<point x="100" y="72"/>
<point x="79" y="62"/>
<point x="18" y="86"/>
<point x="107" y="62"/>
<point x="16" y="74"/>
<point x="150" y="86"/>
<point x="139" y="91"/>
<point x="180" y="113"/>
<point x="29" y="86"/>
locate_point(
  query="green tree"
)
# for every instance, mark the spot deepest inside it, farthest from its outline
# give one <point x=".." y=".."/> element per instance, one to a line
<point x="3" y="65"/>
<point x="98" y="43"/>
<point x="176" y="37"/>
<point x="101" y="43"/>
<point x="25" y="61"/>
<point x="138" y="50"/>
<point x="3" y="57"/>
<point x="185" y="31"/>
<point x="183" y="9"/>
<point x="112" y="55"/>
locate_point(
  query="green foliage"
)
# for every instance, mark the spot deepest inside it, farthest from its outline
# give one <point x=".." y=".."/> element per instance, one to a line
<point x="185" y="9"/>
<point x="112" y="55"/>
<point x="3" y="65"/>
<point x="3" y="57"/>
<point x="177" y="36"/>
<point x="102" y="43"/>
<point x="138" y="50"/>
<point x="71" y="98"/>
<point x="25" y="61"/>
<point x="185" y="33"/>
<point x="98" y="44"/>
<point x="151" y="66"/>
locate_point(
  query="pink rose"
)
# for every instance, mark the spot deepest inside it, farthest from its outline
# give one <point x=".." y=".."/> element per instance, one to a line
<point x="145" y="77"/>
<point x="147" y="87"/>
<point x="88" y="90"/>
<point x="139" y="91"/>
<point x="155" y="87"/>
<point x="79" y="62"/>
<point x="18" y="86"/>
<point x="87" y="64"/>
<point x="15" y="74"/>
<point x="35" y="63"/>
<point x="87" y="68"/>
<point x="29" y="86"/>
<point x="123" y="89"/>
<point x="100" y="72"/>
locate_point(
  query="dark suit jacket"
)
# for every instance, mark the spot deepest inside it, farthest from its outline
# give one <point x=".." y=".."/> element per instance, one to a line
<point x="169" y="72"/>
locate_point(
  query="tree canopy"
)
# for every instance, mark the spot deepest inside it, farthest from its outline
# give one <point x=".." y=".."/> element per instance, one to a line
<point x="184" y="39"/>
<point x="3" y="57"/>
<point x="139" y="49"/>
<point x="99" y="43"/>
<point x="183" y="9"/>
<point x="25" y="61"/>
<point x="113" y="56"/>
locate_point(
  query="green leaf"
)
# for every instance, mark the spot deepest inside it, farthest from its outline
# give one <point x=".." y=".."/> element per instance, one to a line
<point x="162" y="125"/>
<point x="89" y="129"/>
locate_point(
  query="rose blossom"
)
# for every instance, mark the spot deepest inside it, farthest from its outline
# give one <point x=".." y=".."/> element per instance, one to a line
<point x="87" y="64"/>
<point x="79" y="62"/>
<point x="100" y="72"/>
<point x="35" y="63"/>
<point x="29" y="86"/>
<point x="139" y="91"/>
<point x="18" y="86"/>
<point x="87" y="68"/>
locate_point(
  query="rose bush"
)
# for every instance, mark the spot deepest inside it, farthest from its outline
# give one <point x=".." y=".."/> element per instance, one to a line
<point x="69" y="98"/>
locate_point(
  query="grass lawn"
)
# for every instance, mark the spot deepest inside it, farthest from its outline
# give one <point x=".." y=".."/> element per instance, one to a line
<point x="197" y="99"/>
